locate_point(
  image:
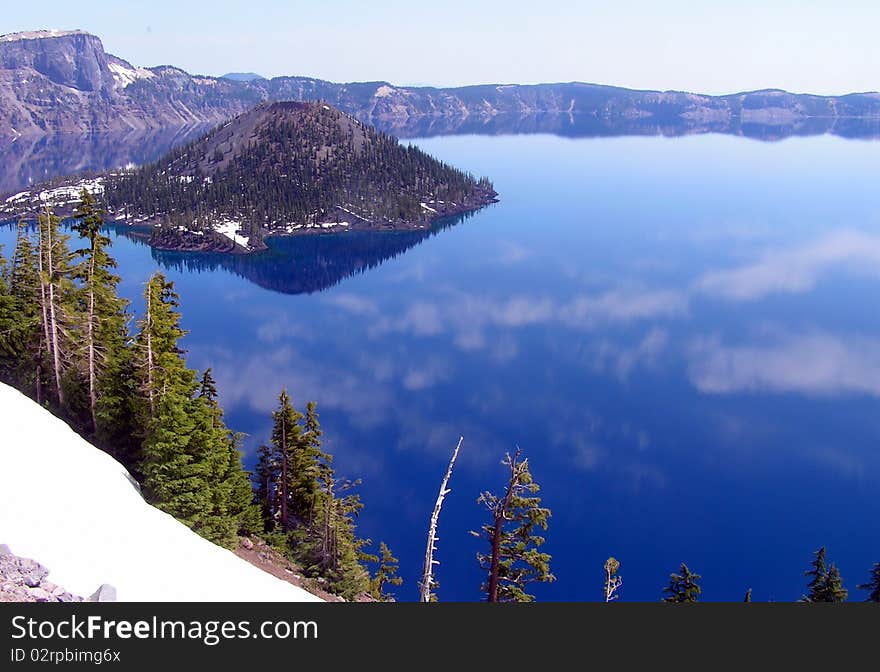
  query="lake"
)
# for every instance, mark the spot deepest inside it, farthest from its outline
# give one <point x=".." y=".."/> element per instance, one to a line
<point x="679" y="333"/>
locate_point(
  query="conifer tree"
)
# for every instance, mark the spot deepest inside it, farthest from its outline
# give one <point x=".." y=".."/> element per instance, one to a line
<point x="26" y="366"/>
<point x="234" y="510"/>
<point x="386" y="574"/>
<point x="341" y="557"/>
<point x="834" y="590"/>
<point x="107" y="361"/>
<point x="826" y="584"/>
<point x="265" y="482"/>
<point x="186" y="453"/>
<point x="873" y="585"/>
<point x="286" y="439"/>
<point x="514" y="559"/>
<point x="683" y="587"/>
<point x="159" y="362"/>
<point x="305" y="509"/>
<point x="9" y="323"/>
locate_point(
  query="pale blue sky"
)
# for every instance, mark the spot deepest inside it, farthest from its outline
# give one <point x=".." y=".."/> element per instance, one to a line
<point x="713" y="47"/>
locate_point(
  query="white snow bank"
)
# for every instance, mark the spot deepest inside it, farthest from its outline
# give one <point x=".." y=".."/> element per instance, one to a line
<point x="76" y="510"/>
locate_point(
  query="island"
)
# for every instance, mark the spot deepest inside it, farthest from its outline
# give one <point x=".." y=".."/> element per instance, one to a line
<point x="288" y="169"/>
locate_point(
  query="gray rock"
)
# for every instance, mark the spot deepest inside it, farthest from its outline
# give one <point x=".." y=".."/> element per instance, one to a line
<point x="41" y="595"/>
<point x="105" y="593"/>
<point x="34" y="577"/>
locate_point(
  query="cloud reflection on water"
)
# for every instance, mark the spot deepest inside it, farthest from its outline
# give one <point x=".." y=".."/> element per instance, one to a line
<point x="814" y="363"/>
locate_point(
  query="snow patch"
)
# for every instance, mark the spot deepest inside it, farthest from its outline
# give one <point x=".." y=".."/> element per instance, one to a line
<point x="71" y="193"/>
<point x="39" y="34"/>
<point x="77" y="511"/>
<point x="384" y="91"/>
<point x="353" y="214"/>
<point x="427" y="207"/>
<point x="123" y="76"/>
<point x="20" y="195"/>
<point x="230" y="229"/>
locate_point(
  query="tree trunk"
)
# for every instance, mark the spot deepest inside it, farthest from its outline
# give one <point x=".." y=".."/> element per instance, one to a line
<point x="149" y="330"/>
<point x="496" y="555"/>
<point x="93" y="393"/>
<point x="43" y="307"/>
<point x="53" y="317"/>
<point x="283" y="473"/>
<point x="428" y="571"/>
<point x="500" y="514"/>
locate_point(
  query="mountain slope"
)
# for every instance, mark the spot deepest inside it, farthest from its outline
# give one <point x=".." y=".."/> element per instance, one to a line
<point x="78" y="511"/>
<point x="290" y="168"/>
<point x="64" y="81"/>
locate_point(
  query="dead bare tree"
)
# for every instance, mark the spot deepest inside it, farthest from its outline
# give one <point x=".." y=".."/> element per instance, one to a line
<point x="612" y="581"/>
<point x="427" y="581"/>
<point x="49" y="296"/>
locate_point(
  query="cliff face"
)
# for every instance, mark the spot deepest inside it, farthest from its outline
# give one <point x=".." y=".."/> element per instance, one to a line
<point x="64" y="81"/>
<point x="74" y="59"/>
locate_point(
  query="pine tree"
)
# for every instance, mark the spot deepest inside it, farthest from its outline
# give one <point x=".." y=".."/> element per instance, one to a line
<point x="834" y="590"/>
<point x="873" y="585"/>
<point x="818" y="574"/>
<point x="286" y="439"/>
<point x="514" y="560"/>
<point x="9" y="323"/>
<point x="241" y="494"/>
<point x="107" y="361"/>
<point x="683" y="587"/>
<point x="232" y="495"/>
<point x="159" y="363"/>
<point x="186" y="454"/>
<point x="208" y="389"/>
<point x="341" y="559"/>
<point x="386" y="574"/>
<point x="305" y="509"/>
<point x="265" y="483"/>
<point x="826" y="584"/>
<point x="27" y="368"/>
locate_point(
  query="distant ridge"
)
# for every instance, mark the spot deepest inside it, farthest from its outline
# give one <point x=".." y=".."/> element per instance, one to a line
<point x="242" y="76"/>
<point x="90" y="90"/>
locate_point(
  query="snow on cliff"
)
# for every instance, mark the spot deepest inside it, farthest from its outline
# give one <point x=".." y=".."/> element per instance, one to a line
<point x="39" y="34"/>
<point x="76" y="510"/>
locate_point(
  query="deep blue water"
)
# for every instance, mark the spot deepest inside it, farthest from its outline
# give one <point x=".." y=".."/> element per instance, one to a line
<point x="681" y="335"/>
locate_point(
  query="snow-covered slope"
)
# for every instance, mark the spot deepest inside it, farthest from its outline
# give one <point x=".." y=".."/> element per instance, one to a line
<point x="76" y="510"/>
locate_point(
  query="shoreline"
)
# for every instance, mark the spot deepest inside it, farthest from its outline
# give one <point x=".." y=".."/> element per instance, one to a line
<point x="186" y="240"/>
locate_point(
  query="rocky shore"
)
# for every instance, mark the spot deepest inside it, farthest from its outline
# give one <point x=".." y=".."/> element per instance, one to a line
<point x="25" y="580"/>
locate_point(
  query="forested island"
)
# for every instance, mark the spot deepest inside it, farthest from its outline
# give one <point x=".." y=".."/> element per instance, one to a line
<point x="284" y="169"/>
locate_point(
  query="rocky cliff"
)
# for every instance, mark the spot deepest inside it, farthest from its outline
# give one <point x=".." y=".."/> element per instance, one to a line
<point x="64" y="81"/>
